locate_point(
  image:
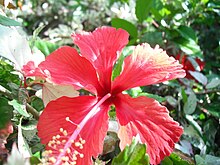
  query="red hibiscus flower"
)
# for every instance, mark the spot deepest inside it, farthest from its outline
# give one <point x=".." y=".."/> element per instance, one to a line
<point x="188" y="66"/>
<point x="74" y="128"/>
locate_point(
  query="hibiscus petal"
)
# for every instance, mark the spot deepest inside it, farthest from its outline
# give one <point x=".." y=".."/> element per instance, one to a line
<point x="67" y="140"/>
<point x="147" y="118"/>
<point x="30" y="69"/>
<point x="147" y="66"/>
<point x="102" y="48"/>
<point x="65" y="66"/>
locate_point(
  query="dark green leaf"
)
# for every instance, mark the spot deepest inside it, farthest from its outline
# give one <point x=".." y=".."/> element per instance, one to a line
<point x="190" y="105"/>
<point x="8" y="22"/>
<point x="128" y="26"/>
<point x="153" y="38"/>
<point x="187" y="33"/>
<point x="6" y="112"/>
<point x="213" y="109"/>
<point x="135" y="154"/>
<point x="142" y="9"/>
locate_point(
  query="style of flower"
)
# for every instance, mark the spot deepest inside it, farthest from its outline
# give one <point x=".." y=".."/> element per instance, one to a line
<point x="74" y="129"/>
<point x="188" y="66"/>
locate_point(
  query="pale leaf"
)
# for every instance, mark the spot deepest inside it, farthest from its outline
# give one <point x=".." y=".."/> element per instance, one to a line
<point x="52" y="92"/>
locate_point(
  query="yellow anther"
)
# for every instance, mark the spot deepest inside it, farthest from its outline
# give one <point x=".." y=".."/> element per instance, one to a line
<point x="49" y="144"/>
<point x="45" y="153"/>
<point x="63" y="141"/>
<point x="68" y="150"/>
<point x="65" y="133"/>
<point x="81" y="147"/>
<point x="72" y="141"/>
<point x="61" y="129"/>
<point x="61" y="150"/>
<point x="67" y="119"/>
<point x="74" y="157"/>
<point x="50" y="151"/>
<point x="81" y="155"/>
<point x="76" y="152"/>
<point x="83" y="142"/>
<point x="77" y="144"/>
<point x="52" y="159"/>
<point x="73" y="163"/>
<point x="58" y="142"/>
<point x="54" y="137"/>
<point x="58" y="136"/>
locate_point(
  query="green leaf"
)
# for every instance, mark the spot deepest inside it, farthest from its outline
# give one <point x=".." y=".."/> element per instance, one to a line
<point x="156" y="97"/>
<point x="201" y="78"/>
<point x="153" y="38"/>
<point x="135" y="154"/>
<point x="215" y="82"/>
<point x="213" y="109"/>
<point x="6" y="112"/>
<point x="128" y="26"/>
<point x="19" y="107"/>
<point x="207" y="160"/>
<point x="142" y="9"/>
<point x="190" y="105"/>
<point x="187" y="32"/>
<point x="8" y="22"/>
<point x="176" y="159"/>
<point x="45" y="47"/>
<point x="118" y="66"/>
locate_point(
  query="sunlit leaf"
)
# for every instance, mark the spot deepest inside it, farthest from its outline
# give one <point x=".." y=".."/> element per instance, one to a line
<point x="128" y="26"/>
<point x="135" y="154"/>
<point x="19" y="108"/>
<point x="8" y="22"/>
<point x="142" y="9"/>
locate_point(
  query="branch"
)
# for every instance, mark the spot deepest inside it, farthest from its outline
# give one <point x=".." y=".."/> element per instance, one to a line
<point x="207" y="92"/>
<point x="29" y="108"/>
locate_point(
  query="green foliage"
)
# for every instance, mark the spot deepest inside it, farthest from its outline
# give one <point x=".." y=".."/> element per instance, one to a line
<point x="45" y="47"/>
<point x="181" y="27"/>
<point x="8" y="22"/>
<point x="142" y="9"/>
<point x="128" y="26"/>
<point x="175" y="159"/>
<point x="5" y="112"/>
<point x="133" y="154"/>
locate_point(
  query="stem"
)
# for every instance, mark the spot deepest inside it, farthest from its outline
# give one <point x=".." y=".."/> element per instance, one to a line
<point x="91" y="113"/>
<point x="29" y="108"/>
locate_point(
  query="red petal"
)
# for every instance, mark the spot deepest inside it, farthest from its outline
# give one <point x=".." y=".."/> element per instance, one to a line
<point x="65" y="66"/>
<point x="31" y="70"/>
<point x="146" y="117"/>
<point x="102" y="48"/>
<point x="147" y="66"/>
<point x="93" y="132"/>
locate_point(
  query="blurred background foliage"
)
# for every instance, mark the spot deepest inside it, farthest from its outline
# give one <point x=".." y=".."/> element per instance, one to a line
<point x="187" y="29"/>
